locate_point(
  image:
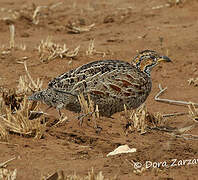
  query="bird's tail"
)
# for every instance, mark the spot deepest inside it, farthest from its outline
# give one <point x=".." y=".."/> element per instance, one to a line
<point x="37" y="96"/>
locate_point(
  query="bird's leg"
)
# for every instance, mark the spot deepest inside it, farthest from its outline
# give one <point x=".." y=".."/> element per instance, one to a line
<point x="58" y="109"/>
<point x="59" y="112"/>
<point x="82" y="116"/>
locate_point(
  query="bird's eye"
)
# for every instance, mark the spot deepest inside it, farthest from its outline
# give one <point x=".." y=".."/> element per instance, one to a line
<point x="152" y="57"/>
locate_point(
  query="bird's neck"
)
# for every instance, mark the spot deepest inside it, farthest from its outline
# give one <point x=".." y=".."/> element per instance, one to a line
<point x="145" y="68"/>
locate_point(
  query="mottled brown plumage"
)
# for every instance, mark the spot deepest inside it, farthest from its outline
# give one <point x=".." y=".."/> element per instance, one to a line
<point x="110" y="83"/>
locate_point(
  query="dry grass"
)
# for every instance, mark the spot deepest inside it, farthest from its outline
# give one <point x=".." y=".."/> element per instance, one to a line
<point x="92" y="51"/>
<point x="39" y="10"/>
<point x="6" y="174"/>
<point x="193" y="81"/>
<point x="26" y="84"/>
<point x="193" y="111"/>
<point x="4" y="135"/>
<point x="91" y="176"/>
<point x="48" y="50"/>
<point x="87" y="107"/>
<point x="170" y="3"/>
<point x="19" y="122"/>
<point x="6" y="49"/>
<point x="157" y="119"/>
<point x="138" y="118"/>
<point x="73" y="28"/>
<point x="31" y="13"/>
<point x="1" y="101"/>
<point x="35" y="17"/>
<point x="141" y="119"/>
<point x="175" y="2"/>
<point x="16" y="111"/>
<point x="12" y="34"/>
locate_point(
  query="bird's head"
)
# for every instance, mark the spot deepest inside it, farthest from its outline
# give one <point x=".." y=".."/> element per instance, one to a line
<point x="147" y="59"/>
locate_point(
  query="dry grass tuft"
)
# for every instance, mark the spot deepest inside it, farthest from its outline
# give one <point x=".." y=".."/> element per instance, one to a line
<point x="73" y="28"/>
<point x="155" y="120"/>
<point x="49" y="50"/>
<point x="25" y="86"/>
<point x="138" y="118"/>
<point x="6" y="174"/>
<point x="92" y="51"/>
<point x="19" y="122"/>
<point x="39" y="10"/>
<point x="193" y="81"/>
<point x="6" y="49"/>
<point x="91" y="176"/>
<point x="17" y="114"/>
<point x="175" y="2"/>
<point x="193" y="111"/>
<point x="35" y="17"/>
<point x="14" y="97"/>
<point x="141" y="119"/>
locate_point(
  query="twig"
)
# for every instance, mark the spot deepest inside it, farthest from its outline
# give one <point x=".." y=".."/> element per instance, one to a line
<point x="4" y="163"/>
<point x="164" y="129"/>
<point x="173" y="130"/>
<point x="174" y="102"/>
<point x="187" y="136"/>
<point x="175" y="114"/>
<point x="187" y="128"/>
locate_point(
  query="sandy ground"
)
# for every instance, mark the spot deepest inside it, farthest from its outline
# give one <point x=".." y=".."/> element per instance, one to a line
<point x="121" y="28"/>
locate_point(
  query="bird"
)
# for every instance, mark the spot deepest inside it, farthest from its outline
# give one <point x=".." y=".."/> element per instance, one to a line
<point x="111" y="84"/>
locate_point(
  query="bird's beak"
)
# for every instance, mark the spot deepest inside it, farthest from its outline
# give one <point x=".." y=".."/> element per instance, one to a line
<point x="164" y="58"/>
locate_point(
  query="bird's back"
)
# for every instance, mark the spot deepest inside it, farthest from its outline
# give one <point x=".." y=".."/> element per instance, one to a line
<point x="108" y="77"/>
